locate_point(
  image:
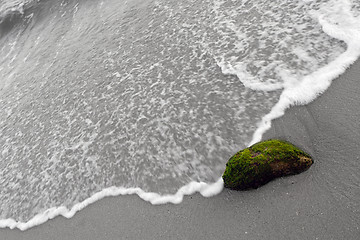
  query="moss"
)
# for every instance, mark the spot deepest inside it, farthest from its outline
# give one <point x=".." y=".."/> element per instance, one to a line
<point x="262" y="162"/>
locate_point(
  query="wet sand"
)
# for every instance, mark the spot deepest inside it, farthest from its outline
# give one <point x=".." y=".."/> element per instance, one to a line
<point x="322" y="203"/>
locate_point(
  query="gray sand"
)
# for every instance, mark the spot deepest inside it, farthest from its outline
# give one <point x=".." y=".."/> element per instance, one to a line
<point x="322" y="203"/>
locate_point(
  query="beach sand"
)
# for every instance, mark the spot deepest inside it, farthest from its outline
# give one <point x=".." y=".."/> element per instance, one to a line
<point x="321" y="203"/>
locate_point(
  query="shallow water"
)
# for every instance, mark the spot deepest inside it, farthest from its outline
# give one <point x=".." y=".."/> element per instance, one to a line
<point x="151" y="95"/>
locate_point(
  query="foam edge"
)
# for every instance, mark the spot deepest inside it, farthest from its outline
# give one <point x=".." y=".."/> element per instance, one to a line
<point x="313" y="85"/>
<point x="205" y="189"/>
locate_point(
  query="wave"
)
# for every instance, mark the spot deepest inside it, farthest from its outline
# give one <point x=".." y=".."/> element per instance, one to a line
<point x="15" y="13"/>
<point x="337" y="21"/>
<point x="205" y="189"/>
<point x="10" y="16"/>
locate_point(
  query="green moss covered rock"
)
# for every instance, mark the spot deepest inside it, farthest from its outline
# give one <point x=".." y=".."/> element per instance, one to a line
<point x="262" y="162"/>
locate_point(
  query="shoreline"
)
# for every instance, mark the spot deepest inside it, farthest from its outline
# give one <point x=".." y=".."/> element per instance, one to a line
<point x="321" y="203"/>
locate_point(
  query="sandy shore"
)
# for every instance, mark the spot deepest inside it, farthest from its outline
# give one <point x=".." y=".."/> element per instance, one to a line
<point x="322" y="203"/>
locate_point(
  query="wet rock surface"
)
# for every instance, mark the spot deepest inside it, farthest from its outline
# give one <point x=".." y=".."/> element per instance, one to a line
<point x="262" y="162"/>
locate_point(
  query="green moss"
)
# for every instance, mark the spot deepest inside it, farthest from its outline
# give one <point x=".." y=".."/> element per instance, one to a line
<point x="262" y="162"/>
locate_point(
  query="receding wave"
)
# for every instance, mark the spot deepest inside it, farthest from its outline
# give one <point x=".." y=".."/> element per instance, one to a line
<point x="114" y="97"/>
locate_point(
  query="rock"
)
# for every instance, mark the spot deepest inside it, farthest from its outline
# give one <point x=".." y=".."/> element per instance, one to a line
<point x="262" y="162"/>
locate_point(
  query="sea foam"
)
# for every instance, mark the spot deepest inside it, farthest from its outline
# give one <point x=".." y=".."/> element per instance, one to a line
<point x="205" y="189"/>
<point x="336" y="20"/>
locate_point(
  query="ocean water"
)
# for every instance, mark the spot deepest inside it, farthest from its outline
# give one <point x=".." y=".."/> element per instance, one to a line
<point x="101" y="98"/>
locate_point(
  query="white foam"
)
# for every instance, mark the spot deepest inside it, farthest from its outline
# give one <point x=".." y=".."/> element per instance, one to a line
<point x="205" y="189"/>
<point x="13" y="6"/>
<point x="340" y="24"/>
<point x="249" y="81"/>
<point x="346" y="28"/>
